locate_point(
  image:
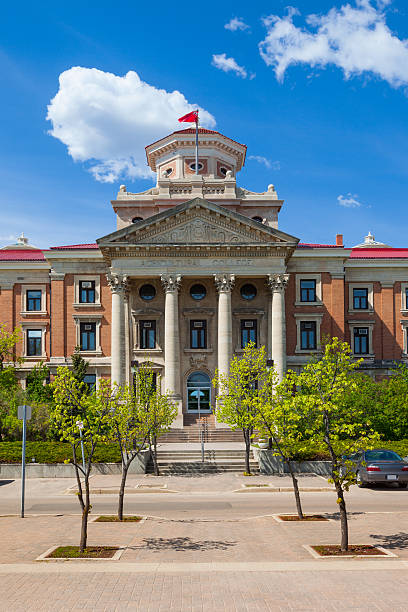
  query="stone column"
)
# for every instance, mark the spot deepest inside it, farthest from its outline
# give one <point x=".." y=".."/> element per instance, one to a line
<point x="118" y="285"/>
<point x="171" y="285"/>
<point x="224" y="284"/>
<point x="277" y="284"/>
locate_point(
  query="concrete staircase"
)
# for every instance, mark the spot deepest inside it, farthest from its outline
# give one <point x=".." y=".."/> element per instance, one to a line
<point x="188" y="461"/>
<point x="192" y="428"/>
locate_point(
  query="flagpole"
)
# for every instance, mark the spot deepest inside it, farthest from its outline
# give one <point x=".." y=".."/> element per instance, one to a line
<point x="196" y="146"/>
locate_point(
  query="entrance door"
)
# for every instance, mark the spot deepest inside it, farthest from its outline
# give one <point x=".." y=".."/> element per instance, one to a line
<point x="199" y="393"/>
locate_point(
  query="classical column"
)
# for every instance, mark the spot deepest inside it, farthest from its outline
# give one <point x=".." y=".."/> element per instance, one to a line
<point x="277" y="284"/>
<point x="118" y="285"/>
<point x="171" y="285"/>
<point x="224" y="284"/>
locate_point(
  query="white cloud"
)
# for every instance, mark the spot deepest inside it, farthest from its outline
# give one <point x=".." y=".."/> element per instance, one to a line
<point x="349" y="201"/>
<point x="106" y="120"/>
<point x="355" y="38"/>
<point x="236" y="23"/>
<point x="274" y="165"/>
<point x="228" y="64"/>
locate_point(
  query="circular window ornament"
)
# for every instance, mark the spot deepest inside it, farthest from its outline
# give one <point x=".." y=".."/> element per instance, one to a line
<point x="192" y="166"/>
<point x="223" y="171"/>
<point x="198" y="292"/>
<point x="248" y="292"/>
<point x="147" y="292"/>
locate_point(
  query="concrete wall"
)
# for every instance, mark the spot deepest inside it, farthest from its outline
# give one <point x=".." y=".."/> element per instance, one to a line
<point x="63" y="470"/>
<point x="270" y="464"/>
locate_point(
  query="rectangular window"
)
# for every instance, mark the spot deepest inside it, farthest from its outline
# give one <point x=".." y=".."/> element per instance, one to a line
<point x="361" y="341"/>
<point x="248" y="332"/>
<point x="360" y="299"/>
<point x="198" y="334"/>
<point x="87" y="292"/>
<point x="147" y="334"/>
<point x="308" y="335"/>
<point x="34" y="342"/>
<point x="90" y="381"/>
<point x="406" y="298"/>
<point x="88" y="336"/>
<point x="33" y="300"/>
<point x="307" y="290"/>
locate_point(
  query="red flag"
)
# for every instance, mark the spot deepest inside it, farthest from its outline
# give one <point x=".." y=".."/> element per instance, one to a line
<point x="190" y="117"/>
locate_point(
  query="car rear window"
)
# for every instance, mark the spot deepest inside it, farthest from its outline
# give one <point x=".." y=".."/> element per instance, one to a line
<point x="381" y="455"/>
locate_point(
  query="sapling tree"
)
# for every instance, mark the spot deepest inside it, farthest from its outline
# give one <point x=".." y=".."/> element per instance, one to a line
<point x="8" y="341"/>
<point x="238" y="394"/>
<point x="343" y="430"/>
<point x="162" y="412"/>
<point x="277" y="418"/>
<point x="81" y="418"/>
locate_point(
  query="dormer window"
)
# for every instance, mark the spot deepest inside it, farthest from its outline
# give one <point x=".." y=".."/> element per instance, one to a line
<point x="192" y="166"/>
<point x="137" y="219"/>
<point x="259" y="219"/>
<point x="167" y="172"/>
<point x="223" y="171"/>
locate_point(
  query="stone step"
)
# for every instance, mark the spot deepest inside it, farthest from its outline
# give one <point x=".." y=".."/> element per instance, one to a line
<point x="180" y="467"/>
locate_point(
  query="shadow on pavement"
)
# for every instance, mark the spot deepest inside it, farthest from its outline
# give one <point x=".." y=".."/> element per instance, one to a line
<point x="336" y="515"/>
<point x="394" y="540"/>
<point x="159" y="544"/>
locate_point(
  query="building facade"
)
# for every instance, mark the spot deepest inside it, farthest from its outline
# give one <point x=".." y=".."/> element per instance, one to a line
<point x="196" y="268"/>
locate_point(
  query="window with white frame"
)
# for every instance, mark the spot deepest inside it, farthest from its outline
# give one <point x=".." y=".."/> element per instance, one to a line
<point x="404" y="324"/>
<point x="361" y="337"/>
<point x="308" y="332"/>
<point x="361" y="297"/>
<point x="308" y="289"/>
<point x="33" y="299"/>
<point x="87" y="290"/>
<point x="34" y="340"/>
<point x="88" y="333"/>
<point x="404" y="297"/>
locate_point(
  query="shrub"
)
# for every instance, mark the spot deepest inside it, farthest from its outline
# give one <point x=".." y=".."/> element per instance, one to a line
<point x="54" y="452"/>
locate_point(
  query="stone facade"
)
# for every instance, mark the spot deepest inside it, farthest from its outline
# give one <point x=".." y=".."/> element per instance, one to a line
<point x="196" y="268"/>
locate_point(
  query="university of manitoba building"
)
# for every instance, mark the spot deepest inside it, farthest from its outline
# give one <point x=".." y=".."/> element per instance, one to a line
<point x="196" y="268"/>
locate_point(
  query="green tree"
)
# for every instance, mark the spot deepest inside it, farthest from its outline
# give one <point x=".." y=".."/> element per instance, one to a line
<point x="78" y="417"/>
<point x="79" y="367"/>
<point x="37" y="386"/>
<point x="342" y="430"/>
<point x="162" y="412"/>
<point x="8" y="341"/>
<point x="238" y="394"/>
<point x="277" y="418"/>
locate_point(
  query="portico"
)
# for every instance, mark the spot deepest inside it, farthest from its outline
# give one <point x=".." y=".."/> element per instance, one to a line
<point x="200" y="282"/>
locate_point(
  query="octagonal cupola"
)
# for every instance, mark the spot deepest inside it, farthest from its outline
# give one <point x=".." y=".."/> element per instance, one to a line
<point x="173" y="157"/>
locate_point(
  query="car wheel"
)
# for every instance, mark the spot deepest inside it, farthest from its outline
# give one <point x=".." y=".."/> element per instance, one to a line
<point x="403" y="485"/>
<point x="360" y="483"/>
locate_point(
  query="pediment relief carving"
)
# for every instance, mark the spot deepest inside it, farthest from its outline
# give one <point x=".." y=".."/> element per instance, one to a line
<point x="200" y="229"/>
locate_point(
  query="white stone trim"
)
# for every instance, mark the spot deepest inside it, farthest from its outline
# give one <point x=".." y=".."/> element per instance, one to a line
<point x="365" y="323"/>
<point x="87" y="277"/>
<point x="404" y="325"/>
<point x="26" y="325"/>
<point x="136" y="332"/>
<point x="24" y="289"/>
<point x="238" y="316"/>
<point x="307" y="276"/>
<point x="305" y="317"/>
<point x="404" y="309"/>
<point x="88" y="318"/>
<point x="370" y="296"/>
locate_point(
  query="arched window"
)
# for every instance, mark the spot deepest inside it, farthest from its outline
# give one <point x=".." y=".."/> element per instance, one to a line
<point x="198" y="393"/>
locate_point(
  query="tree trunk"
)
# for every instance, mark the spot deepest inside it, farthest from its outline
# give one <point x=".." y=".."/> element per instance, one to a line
<point x="125" y="468"/>
<point x="247" y="450"/>
<point x="155" y="464"/>
<point x="80" y="493"/>
<point x="85" y="513"/>
<point x="295" y="490"/>
<point x="343" y="517"/>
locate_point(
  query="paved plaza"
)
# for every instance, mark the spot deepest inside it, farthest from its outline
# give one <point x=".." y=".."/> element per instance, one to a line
<point x="183" y="558"/>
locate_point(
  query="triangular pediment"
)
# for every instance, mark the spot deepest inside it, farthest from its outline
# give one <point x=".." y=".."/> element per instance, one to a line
<point x="197" y="222"/>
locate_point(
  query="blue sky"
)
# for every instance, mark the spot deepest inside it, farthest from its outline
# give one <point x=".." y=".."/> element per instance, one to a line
<point x="322" y="99"/>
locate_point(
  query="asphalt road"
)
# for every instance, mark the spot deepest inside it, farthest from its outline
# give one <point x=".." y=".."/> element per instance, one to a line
<point x="49" y="498"/>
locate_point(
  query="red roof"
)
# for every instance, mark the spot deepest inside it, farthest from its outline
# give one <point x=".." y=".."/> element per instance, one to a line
<point x="380" y="253"/>
<point x="200" y="131"/>
<point x="68" y="247"/>
<point x="21" y="255"/>
<point x="307" y="245"/>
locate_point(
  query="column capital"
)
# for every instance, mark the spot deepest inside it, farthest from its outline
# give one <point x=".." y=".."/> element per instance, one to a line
<point x="277" y="282"/>
<point x="224" y="282"/>
<point x="170" y="282"/>
<point x="117" y="282"/>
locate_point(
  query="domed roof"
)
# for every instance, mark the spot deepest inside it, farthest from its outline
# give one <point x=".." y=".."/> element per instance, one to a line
<point x="22" y="243"/>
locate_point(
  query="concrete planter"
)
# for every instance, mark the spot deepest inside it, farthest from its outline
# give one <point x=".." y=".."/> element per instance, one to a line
<point x="66" y="470"/>
<point x="270" y="464"/>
